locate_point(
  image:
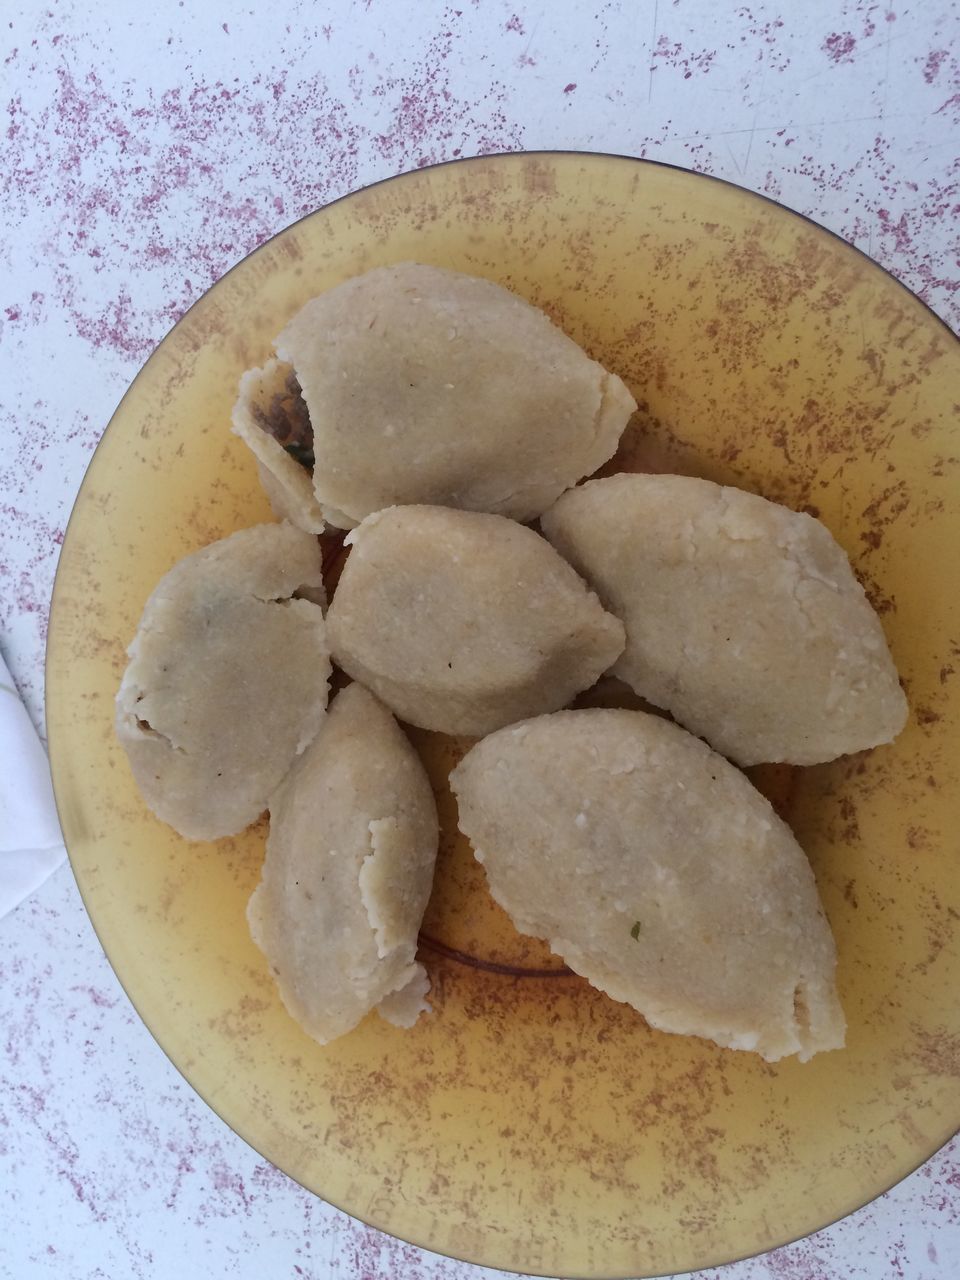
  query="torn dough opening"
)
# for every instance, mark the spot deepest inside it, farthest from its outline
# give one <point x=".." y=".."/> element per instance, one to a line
<point x="271" y="418"/>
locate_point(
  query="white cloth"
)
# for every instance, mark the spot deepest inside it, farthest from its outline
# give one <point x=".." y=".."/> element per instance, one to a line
<point x="31" y="844"/>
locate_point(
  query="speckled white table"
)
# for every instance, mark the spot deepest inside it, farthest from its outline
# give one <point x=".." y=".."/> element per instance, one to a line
<point x="142" y="155"/>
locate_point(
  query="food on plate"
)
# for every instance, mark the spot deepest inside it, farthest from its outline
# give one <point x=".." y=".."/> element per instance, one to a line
<point x="227" y="679"/>
<point x="462" y="622"/>
<point x="431" y="413"/>
<point x="271" y="418"/>
<point x="425" y="385"/>
<point x="654" y="868"/>
<point x="347" y="873"/>
<point x="743" y="618"/>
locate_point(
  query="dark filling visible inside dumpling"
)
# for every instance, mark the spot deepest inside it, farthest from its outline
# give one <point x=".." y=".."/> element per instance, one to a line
<point x="288" y="421"/>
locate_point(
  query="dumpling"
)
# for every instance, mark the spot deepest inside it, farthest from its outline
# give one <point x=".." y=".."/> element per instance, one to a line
<point x="227" y="679"/>
<point x="347" y="875"/>
<point x="462" y="622"/>
<point x="428" y="386"/>
<point x="658" y="873"/>
<point x="271" y="418"/>
<point x="743" y="618"/>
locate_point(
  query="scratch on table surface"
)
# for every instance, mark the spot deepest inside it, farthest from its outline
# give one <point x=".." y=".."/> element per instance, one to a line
<point x="653" y="45"/>
<point x="756" y="113"/>
<point x="794" y="124"/>
<point x="831" y="66"/>
<point x="886" y="68"/>
<point x="525" y="56"/>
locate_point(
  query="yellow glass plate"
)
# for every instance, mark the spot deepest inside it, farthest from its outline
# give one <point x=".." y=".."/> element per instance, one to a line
<point x="531" y="1123"/>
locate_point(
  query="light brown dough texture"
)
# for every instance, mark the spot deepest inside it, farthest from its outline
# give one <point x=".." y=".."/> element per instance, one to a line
<point x="429" y="386"/>
<point x="348" y="872"/>
<point x="658" y="872"/>
<point x="462" y="622"/>
<point x="744" y="618"/>
<point x="227" y="679"/>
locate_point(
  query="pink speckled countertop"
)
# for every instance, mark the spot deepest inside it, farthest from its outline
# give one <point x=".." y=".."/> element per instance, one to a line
<point x="143" y="156"/>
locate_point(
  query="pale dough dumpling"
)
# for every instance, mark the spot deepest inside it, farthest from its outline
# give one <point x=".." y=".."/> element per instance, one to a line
<point x="347" y="874"/>
<point x="462" y="622"/>
<point x="658" y="873"/>
<point x="429" y="386"/>
<point x="743" y="618"/>
<point x="227" y="680"/>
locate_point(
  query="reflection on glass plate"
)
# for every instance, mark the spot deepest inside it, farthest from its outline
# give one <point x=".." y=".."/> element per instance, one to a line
<point x="532" y="1123"/>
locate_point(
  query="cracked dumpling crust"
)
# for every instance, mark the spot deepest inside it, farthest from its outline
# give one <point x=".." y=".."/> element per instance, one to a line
<point x="744" y="618"/>
<point x="227" y="679"/>
<point x="429" y="386"/>
<point x="268" y="401"/>
<point x="657" y="872"/>
<point x="348" y="872"/>
<point x="462" y="622"/>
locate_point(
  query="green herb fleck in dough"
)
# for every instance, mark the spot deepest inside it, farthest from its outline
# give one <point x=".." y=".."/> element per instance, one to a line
<point x="635" y="931"/>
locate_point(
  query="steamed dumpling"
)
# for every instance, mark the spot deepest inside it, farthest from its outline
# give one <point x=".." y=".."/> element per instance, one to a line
<point x="428" y="386"/>
<point x="227" y="680"/>
<point x="743" y="618"/>
<point x="462" y="622"/>
<point x="347" y="874"/>
<point x="658" y="873"/>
